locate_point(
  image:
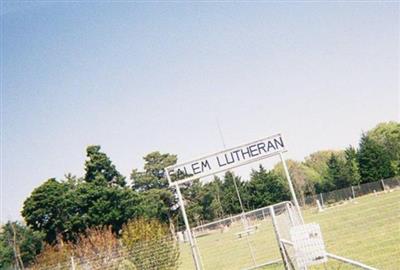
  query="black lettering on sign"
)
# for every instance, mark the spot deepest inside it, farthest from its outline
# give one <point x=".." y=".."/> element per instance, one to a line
<point x="227" y="159"/>
<point x="245" y="153"/>
<point x="280" y="142"/>
<point x="261" y="146"/>
<point x="219" y="163"/>
<point x="181" y="173"/>
<point x="205" y="164"/>
<point x="270" y="145"/>
<point x="236" y="152"/>
<point x="253" y="150"/>
<point x="196" y="168"/>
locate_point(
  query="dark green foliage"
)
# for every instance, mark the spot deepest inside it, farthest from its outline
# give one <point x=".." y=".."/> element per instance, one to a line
<point x="388" y="136"/>
<point x="157" y="204"/>
<point x="266" y="188"/>
<point x="153" y="174"/>
<point x="16" y="238"/>
<point x="351" y="170"/>
<point x="99" y="168"/>
<point x="67" y="208"/>
<point x="374" y="160"/>
<point x="336" y="173"/>
<point x="46" y="209"/>
<point x="229" y="199"/>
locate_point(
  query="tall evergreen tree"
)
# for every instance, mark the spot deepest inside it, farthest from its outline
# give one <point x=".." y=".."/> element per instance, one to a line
<point x="230" y="200"/>
<point x="336" y="173"/>
<point x="153" y="174"/>
<point x="351" y="172"/>
<point x="266" y="188"/>
<point x="100" y="169"/>
<point x="374" y="160"/>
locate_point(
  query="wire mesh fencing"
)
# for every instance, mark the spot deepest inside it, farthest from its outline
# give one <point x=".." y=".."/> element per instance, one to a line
<point x="361" y="234"/>
<point x="364" y="228"/>
<point x="162" y="253"/>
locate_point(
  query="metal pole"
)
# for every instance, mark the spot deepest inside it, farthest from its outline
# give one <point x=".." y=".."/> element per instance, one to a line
<point x="322" y="200"/>
<point x="185" y="219"/>
<point x="296" y="203"/>
<point x="352" y="262"/>
<point x="278" y="238"/>
<point x="352" y="191"/>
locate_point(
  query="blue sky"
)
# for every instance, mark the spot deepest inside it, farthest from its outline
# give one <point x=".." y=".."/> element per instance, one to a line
<point x="138" y="77"/>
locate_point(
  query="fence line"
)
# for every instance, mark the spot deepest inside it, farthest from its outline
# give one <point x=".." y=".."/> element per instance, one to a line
<point x="336" y="196"/>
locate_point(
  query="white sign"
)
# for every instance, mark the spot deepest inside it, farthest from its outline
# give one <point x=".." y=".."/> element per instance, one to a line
<point x="308" y="245"/>
<point x="226" y="160"/>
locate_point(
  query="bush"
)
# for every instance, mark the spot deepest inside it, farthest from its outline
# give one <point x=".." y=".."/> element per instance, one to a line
<point x="150" y="244"/>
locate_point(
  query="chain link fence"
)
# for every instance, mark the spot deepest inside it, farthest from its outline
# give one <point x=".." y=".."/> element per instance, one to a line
<point x="161" y="253"/>
<point x="361" y="223"/>
<point x="350" y="193"/>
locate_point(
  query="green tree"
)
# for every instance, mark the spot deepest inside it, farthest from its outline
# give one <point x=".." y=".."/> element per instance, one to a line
<point x="230" y="200"/>
<point x="99" y="168"/>
<point x="65" y="209"/>
<point x="304" y="178"/>
<point x="388" y="136"/>
<point x="157" y="204"/>
<point x="318" y="161"/>
<point x="19" y="245"/>
<point x="266" y="188"/>
<point x="153" y="174"/>
<point x="336" y="173"/>
<point x="374" y="160"/>
<point x="97" y="205"/>
<point x="352" y="172"/>
<point x="45" y="210"/>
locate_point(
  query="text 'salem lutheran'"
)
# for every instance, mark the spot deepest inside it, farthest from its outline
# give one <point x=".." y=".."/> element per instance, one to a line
<point x="231" y="158"/>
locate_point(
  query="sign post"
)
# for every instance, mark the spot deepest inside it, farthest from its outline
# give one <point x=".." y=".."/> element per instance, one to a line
<point x="224" y="161"/>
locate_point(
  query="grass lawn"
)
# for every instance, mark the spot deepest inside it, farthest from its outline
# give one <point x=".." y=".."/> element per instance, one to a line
<point x="367" y="230"/>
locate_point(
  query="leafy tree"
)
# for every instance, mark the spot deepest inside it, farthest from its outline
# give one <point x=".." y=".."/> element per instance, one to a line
<point x="266" y="188"/>
<point x="19" y="245"/>
<point x="46" y="209"/>
<point x="388" y="136"/>
<point x="157" y="204"/>
<point x="351" y="166"/>
<point x="318" y="161"/>
<point x="211" y="206"/>
<point x="303" y="178"/>
<point x="336" y="173"/>
<point x="100" y="169"/>
<point x="67" y="208"/>
<point x="97" y="205"/>
<point x="153" y="174"/>
<point x="374" y="160"/>
<point x="229" y="200"/>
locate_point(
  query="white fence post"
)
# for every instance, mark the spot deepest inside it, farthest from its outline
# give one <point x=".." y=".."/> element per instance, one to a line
<point x="322" y="200"/>
<point x="383" y="185"/>
<point x="352" y="191"/>
<point x="72" y="263"/>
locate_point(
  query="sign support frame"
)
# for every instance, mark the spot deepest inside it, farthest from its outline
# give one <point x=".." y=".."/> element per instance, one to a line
<point x="193" y="244"/>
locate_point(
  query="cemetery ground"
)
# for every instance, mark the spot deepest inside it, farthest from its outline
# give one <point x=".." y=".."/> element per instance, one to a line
<point x="366" y="229"/>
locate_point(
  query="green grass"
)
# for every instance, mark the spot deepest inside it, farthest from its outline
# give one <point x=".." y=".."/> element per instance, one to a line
<point x="367" y="230"/>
